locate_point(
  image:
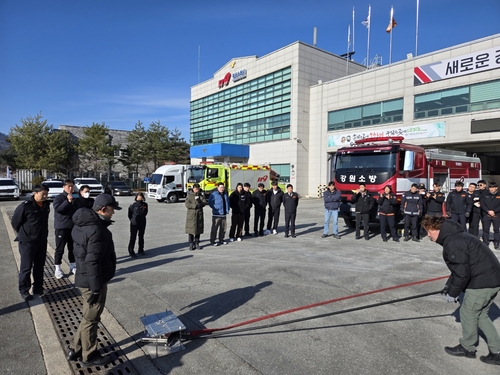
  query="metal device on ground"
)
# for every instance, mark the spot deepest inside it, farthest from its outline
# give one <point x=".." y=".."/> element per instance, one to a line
<point x="164" y="334"/>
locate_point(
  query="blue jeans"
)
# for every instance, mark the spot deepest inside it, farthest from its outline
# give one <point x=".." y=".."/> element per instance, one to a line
<point x="331" y="214"/>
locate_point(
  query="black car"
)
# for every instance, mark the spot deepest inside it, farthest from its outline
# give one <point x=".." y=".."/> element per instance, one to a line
<point x="119" y="188"/>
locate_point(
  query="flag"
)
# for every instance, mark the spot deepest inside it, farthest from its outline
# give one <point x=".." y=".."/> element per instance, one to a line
<point x="367" y="21"/>
<point x="392" y="22"/>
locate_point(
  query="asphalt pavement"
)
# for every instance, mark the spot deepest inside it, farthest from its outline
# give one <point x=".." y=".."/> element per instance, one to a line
<point x="220" y="286"/>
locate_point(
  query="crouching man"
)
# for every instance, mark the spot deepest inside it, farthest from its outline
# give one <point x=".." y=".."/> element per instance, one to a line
<point x="475" y="271"/>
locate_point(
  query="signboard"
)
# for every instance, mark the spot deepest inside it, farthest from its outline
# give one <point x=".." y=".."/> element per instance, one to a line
<point x="408" y="132"/>
<point x="146" y="180"/>
<point x="458" y="66"/>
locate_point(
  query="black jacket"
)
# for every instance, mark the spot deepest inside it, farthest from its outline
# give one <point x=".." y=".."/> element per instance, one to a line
<point x="471" y="262"/>
<point x="63" y="212"/>
<point x="387" y="204"/>
<point x="259" y="199"/>
<point x="274" y="199"/>
<point x="31" y="222"/>
<point x="490" y="202"/>
<point x="475" y="197"/>
<point x="82" y="202"/>
<point x="137" y="213"/>
<point x="364" y="203"/>
<point x="458" y="202"/>
<point x="239" y="202"/>
<point x="411" y="203"/>
<point x="290" y="201"/>
<point x="94" y="250"/>
<point x="435" y="201"/>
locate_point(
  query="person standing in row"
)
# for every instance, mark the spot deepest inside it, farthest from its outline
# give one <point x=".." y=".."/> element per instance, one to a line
<point x="96" y="266"/>
<point x="475" y="271"/>
<point x="31" y="223"/>
<point x="83" y="199"/>
<point x="63" y="224"/>
<point x="490" y="205"/>
<point x="274" y="199"/>
<point x="195" y="201"/>
<point x="331" y="198"/>
<point x="387" y="203"/>
<point x="246" y="189"/>
<point x="458" y="205"/>
<point x="137" y="213"/>
<point x="364" y="203"/>
<point x="259" y="201"/>
<point x="475" y="214"/>
<point x="435" y="200"/>
<point x="239" y="204"/>
<point x="290" y="202"/>
<point x="411" y="204"/>
<point x="219" y="203"/>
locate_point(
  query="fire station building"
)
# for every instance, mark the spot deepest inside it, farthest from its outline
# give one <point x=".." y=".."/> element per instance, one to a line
<point x="293" y="108"/>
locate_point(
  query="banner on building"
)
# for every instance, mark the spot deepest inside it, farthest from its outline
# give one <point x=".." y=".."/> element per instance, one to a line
<point x="458" y="66"/>
<point x="408" y="132"/>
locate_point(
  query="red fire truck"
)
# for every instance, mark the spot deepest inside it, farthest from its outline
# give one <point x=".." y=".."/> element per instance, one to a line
<point x="388" y="161"/>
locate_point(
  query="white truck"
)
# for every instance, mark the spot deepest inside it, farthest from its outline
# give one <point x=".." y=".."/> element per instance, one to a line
<point x="169" y="183"/>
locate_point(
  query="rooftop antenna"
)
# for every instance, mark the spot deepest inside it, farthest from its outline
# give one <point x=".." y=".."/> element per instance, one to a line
<point x="198" y="64"/>
<point x="315" y="36"/>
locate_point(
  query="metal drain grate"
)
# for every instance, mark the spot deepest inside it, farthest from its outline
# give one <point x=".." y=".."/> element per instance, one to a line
<point x="64" y="304"/>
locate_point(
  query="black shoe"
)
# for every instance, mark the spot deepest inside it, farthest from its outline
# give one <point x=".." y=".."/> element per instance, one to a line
<point x="74" y="356"/>
<point x="293" y="235"/>
<point x="384" y="239"/>
<point x="367" y="238"/>
<point x="336" y="236"/>
<point x="40" y="292"/>
<point x="261" y="233"/>
<point x="496" y="246"/>
<point x="26" y="296"/>
<point x="492" y="359"/>
<point x="141" y="253"/>
<point x="324" y="236"/>
<point x="415" y="239"/>
<point x="192" y="246"/>
<point x="256" y="234"/>
<point x="247" y="234"/>
<point x="97" y="360"/>
<point x="133" y="255"/>
<point x="358" y="237"/>
<point x="286" y="236"/>
<point x="459" y="351"/>
<point x="407" y="238"/>
<point x="395" y="239"/>
<point x="198" y="247"/>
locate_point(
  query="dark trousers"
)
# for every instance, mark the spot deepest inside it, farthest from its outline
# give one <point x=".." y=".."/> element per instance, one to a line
<point x="247" y="221"/>
<point x="258" y="220"/>
<point x="32" y="258"/>
<point x="86" y="336"/>
<point x="434" y="213"/>
<point x="487" y="221"/>
<point x="63" y="238"/>
<point x="273" y="218"/>
<point x="411" y="223"/>
<point x="194" y="238"/>
<point x="474" y="219"/>
<point x="384" y="221"/>
<point x="365" y="218"/>
<point x="460" y="218"/>
<point x="237" y="221"/>
<point x="134" y="230"/>
<point x="290" y="222"/>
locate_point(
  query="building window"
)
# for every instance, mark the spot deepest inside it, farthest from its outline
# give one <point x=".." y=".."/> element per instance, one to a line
<point x="283" y="170"/>
<point x="366" y="115"/>
<point x="477" y="97"/>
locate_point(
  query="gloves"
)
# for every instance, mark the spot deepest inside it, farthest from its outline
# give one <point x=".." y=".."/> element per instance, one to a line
<point x="467" y="214"/>
<point x="94" y="297"/>
<point x="451" y="299"/>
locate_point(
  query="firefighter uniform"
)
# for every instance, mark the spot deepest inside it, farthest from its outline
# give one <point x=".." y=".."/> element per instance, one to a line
<point x="364" y="204"/>
<point x="490" y="201"/>
<point x="411" y="205"/>
<point x="387" y="204"/>
<point x="434" y="202"/>
<point x="458" y="206"/>
<point x="475" y="214"/>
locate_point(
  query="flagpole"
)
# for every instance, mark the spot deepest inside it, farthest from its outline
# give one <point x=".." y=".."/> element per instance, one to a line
<point x="416" y="32"/>
<point x="348" y="49"/>
<point x="368" y="44"/>
<point x="390" y="39"/>
<point x="353" y="27"/>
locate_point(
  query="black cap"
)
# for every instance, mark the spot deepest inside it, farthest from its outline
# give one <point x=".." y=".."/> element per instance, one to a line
<point x="106" y="200"/>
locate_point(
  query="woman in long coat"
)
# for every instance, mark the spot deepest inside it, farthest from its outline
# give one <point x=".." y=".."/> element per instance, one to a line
<point x="195" y="201"/>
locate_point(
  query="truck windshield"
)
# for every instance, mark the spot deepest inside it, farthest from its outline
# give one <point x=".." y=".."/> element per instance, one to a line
<point x="156" y="179"/>
<point x="195" y="175"/>
<point x="366" y="160"/>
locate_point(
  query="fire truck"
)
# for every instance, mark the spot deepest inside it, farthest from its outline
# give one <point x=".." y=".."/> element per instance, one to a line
<point x="388" y="161"/>
<point x="208" y="175"/>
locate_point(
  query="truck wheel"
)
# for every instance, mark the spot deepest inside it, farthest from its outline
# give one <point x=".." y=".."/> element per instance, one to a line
<point x="160" y="200"/>
<point x="173" y="198"/>
<point x="350" y="223"/>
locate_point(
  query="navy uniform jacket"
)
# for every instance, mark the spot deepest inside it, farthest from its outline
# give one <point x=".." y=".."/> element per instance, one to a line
<point x="290" y="201"/>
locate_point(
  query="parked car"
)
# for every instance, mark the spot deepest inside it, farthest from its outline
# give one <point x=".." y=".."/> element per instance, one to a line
<point x="94" y="185"/>
<point x="9" y="188"/>
<point x="55" y="188"/>
<point x="119" y="188"/>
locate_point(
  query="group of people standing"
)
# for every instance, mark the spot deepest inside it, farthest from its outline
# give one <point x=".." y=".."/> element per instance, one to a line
<point x="239" y="204"/>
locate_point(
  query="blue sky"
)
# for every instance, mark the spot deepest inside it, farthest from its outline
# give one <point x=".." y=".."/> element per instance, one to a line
<point x="120" y="61"/>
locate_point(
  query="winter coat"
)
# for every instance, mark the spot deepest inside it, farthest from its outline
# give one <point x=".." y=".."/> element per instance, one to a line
<point x="471" y="262"/>
<point x="239" y="202"/>
<point x="435" y="202"/>
<point x="259" y="200"/>
<point x="94" y="250"/>
<point x="63" y="212"/>
<point x="215" y="201"/>
<point x="194" y="215"/>
<point x="474" y="198"/>
<point x="83" y="202"/>
<point x="387" y="205"/>
<point x="290" y="201"/>
<point x="490" y="202"/>
<point x="137" y="213"/>
<point x="364" y="202"/>
<point x="458" y="202"/>
<point x="274" y="199"/>
<point x="411" y="203"/>
<point x="31" y="222"/>
<point x="332" y="199"/>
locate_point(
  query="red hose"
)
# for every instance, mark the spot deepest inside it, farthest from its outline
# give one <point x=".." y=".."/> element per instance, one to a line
<point x="246" y="322"/>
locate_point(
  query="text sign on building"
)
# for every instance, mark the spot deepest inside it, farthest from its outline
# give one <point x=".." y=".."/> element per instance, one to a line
<point x="458" y="66"/>
<point x="235" y="76"/>
<point x="408" y="132"/>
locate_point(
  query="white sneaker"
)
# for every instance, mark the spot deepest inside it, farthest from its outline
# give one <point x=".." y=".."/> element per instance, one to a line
<point x="275" y="231"/>
<point x="223" y="243"/>
<point x="231" y="240"/>
<point x="72" y="268"/>
<point x="239" y="239"/>
<point x="59" y="274"/>
<point x="216" y="244"/>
